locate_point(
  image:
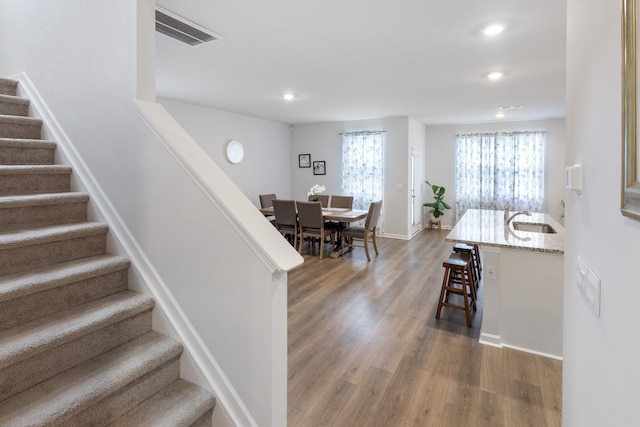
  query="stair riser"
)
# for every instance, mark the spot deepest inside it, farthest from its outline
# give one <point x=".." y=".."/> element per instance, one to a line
<point x="24" y="374"/>
<point x="7" y="87"/>
<point x="20" y="130"/>
<point x="21" y="258"/>
<point x="14" y="108"/>
<point x="120" y="402"/>
<point x="26" y="156"/>
<point x="39" y="304"/>
<point x="20" y="218"/>
<point x="18" y="184"/>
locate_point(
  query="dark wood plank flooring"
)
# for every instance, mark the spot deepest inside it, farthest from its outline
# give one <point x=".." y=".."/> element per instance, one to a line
<point x="365" y="348"/>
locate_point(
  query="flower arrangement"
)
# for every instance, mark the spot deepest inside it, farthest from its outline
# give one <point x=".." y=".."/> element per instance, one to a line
<point x="315" y="190"/>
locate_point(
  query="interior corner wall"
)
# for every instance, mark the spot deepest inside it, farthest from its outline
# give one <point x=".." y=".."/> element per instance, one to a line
<point x="265" y="168"/>
<point x="323" y="142"/>
<point x="600" y="370"/>
<point x="440" y="157"/>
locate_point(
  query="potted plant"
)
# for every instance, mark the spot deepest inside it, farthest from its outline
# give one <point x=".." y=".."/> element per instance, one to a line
<point x="438" y="206"/>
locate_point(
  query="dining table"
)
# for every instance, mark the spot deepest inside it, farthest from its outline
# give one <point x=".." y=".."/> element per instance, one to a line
<point x="333" y="214"/>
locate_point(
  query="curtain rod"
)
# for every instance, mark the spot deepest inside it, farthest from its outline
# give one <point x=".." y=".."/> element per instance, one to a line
<point x="364" y="131"/>
<point x="501" y="133"/>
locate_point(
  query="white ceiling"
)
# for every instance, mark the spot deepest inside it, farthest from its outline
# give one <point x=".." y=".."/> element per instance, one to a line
<point x="358" y="59"/>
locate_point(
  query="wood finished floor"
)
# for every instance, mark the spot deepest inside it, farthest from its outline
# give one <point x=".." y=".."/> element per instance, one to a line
<point x="365" y="349"/>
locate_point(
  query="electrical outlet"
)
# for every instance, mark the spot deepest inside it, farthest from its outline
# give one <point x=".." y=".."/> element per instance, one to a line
<point x="491" y="272"/>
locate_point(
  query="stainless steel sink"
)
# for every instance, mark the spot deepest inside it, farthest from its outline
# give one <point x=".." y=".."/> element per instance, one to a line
<point x="534" y="227"/>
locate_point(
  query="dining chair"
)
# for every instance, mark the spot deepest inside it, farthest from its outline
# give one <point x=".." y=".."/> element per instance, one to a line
<point x="363" y="233"/>
<point x="342" y="202"/>
<point x="345" y="202"/>
<point x="266" y="200"/>
<point x="322" y="198"/>
<point x="286" y="219"/>
<point x="312" y="225"/>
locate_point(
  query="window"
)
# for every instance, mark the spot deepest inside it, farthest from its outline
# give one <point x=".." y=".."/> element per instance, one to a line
<point x="362" y="168"/>
<point x="496" y="170"/>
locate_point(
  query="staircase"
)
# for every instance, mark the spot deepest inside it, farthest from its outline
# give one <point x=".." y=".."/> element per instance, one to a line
<point x="76" y="346"/>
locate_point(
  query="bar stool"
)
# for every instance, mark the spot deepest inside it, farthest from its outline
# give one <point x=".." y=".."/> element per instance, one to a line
<point x="458" y="279"/>
<point x="474" y="252"/>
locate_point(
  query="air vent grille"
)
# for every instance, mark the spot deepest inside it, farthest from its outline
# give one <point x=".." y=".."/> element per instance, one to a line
<point x="181" y="29"/>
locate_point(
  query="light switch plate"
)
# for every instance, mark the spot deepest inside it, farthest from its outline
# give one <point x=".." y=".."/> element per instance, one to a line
<point x="593" y="292"/>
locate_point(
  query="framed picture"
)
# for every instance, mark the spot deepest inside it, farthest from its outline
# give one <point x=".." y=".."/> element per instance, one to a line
<point x="630" y="200"/>
<point x="318" y="168"/>
<point x="304" y="160"/>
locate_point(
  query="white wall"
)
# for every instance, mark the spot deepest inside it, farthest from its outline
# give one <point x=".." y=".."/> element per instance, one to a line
<point x="440" y="158"/>
<point x="323" y="142"/>
<point x="265" y="168"/>
<point x="601" y="371"/>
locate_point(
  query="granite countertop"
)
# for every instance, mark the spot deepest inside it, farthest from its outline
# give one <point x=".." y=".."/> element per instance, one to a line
<point x="486" y="227"/>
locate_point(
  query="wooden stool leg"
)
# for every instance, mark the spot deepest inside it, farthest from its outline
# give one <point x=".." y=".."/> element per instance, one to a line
<point x="445" y="280"/>
<point x="465" y="297"/>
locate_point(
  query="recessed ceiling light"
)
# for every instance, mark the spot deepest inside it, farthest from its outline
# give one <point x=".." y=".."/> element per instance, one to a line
<point x="499" y="115"/>
<point x="493" y="29"/>
<point x="289" y="96"/>
<point x="496" y="75"/>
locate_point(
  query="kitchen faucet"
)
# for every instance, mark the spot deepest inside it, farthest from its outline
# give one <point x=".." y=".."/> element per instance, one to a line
<point x="507" y="218"/>
<point x="506" y="213"/>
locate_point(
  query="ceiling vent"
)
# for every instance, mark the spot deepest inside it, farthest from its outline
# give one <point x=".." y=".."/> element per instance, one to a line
<point x="181" y="29"/>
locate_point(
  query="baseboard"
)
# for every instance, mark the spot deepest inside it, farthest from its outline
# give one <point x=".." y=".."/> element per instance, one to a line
<point x="495" y="341"/>
<point x="537" y="353"/>
<point x="395" y="236"/>
<point x="490" y="339"/>
<point x="151" y="281"/>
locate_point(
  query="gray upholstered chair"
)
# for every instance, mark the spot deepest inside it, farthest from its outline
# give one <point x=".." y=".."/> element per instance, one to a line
<point x="342" y="202"/>
<point x="363" y="233"/>
<point x="312" y="225"/>
<point x="286" y="219"/>
<point x="322" y="198"/>
<point x="266" y="200"/>
<point x="345" y="202"/>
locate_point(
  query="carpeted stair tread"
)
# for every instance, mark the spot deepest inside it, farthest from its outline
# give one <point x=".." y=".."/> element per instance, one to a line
<point x="35" y="337"/>
<point x="42" y="209"/>
<point x="19" y="179"/>
<point x="15" y="151"/>
<point x="14" y="105"/>
<point x="42" y="199"/>
<point x="40" y="279"/>
<point x="34" y="169"/>
<point x="180" y="404"/>
<point x="8" y="118"/>
<point x="61" y="397"/>
<point x="20" y="127"/>
<point x="50" y="234"/>
<point x="27" y="143"/>
<point x="8" y="87"/>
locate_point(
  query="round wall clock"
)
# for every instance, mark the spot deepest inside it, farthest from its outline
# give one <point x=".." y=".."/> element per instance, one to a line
<point x="235" y="151"/>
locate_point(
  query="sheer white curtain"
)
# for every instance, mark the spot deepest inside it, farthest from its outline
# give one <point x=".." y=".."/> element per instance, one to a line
<point x="495" y="170"/>
<point x="362" y="168"/>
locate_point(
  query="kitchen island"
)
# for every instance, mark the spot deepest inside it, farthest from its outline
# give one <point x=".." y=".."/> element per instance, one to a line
<point x="522" y="278"/>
